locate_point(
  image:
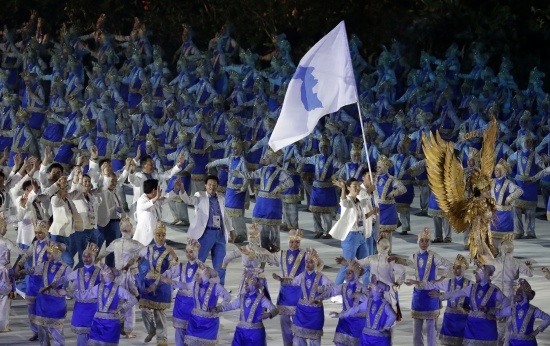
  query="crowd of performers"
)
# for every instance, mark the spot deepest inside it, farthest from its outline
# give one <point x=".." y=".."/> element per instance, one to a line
<point x="73" y="136"/>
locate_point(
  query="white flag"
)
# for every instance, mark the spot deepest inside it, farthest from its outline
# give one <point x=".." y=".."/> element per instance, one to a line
<point x="322" y="84"/>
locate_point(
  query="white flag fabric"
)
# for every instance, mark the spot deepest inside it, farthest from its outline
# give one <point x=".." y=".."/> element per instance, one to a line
<point x="322" y="84"/>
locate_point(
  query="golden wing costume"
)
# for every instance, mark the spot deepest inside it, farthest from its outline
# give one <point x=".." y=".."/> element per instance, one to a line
<point x="465" y="201"/>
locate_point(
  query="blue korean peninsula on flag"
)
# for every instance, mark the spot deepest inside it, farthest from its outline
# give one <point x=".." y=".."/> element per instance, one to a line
<point x="323" y="83"/>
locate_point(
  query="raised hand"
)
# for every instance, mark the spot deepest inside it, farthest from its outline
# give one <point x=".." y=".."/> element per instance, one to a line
<point x="94" y="152"/>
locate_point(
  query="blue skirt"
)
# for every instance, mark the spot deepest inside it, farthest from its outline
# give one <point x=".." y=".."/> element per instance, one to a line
<point x="200" y="162"/>
<point x="503" y="222"/>
<point x="323" y="199"/>
<point x="105" y="331"/>
<point x="83" y="314"/>
<point x="35" y="284"/>
<point x="203" y="328"/>
<point x="182" y="309"/>
<point x="407" y="197"/>
<point x="53" y="133"/>
<point x="272" y="103"/>
<point x="65" y="154"/>
<point x="292" y="195"/>
<point x="481" y="329"/>
<point x="36" y="120"/>
<point x="101" y="144"/>
<point x="515" y="342"/>
<point x="423" y="304"/>
<point x="124" y="91"/>
<point x="352" y="326"/>
<point x="289" y="295"/>
<point x="166" y="161"/>
<point x="530" y="191"/>
<point x="5" y="142"/>
<point x="222" y="178"/>
<point x="309" y="317"/>
<point x="217" y="154"/>
<point x="134" y="100"/>
<point x="50" y="307"/>
<point x="248" y="337"/>
<point x="253" y="158"/>
<point x="234" y="200"/>
<point x="369" y="340"/>
<point x="454" y="325"/>
<point x="163" y="294"/>
<point x="388" y="215"/>
<point x="268" y="209"/>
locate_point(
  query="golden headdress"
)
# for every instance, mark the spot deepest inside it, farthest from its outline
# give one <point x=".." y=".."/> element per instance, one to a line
<point x="384" y="162"/>
<point x="4" y="74"/>
<point x="275" y="154"/>
<point x="86" y="122"/>
<point x="461" y="261"/>
<point x="504" y="167"/>
<point x="369" y="129"/>
<point x="23" y="113"/>
<point x="295" y="234"/>
<point x="234" y="75"/>
<point x="356" y="148"/>
<point x="406" y="142"/>
<point x="456" y="196"/>
<point x="331" y="125"/>
<point x="75" y="102"/>
<point x="161" y="228"/>
<point x="474" y="154"/>
<point x="207" y="271"/>
<point x="40" y="226"/>
<point x="184" y="135"/>
<point x="525" y="116"/>
<point x="233" y="123"/>
<point x="254" y="276"/>
<point x="126" y="225"/>
<point x="324" y="141"/>
<point x="488" y="86"/>
<point x="507" y="243"/>
<point x="150" y="140"/>
<point x="400" y="116"/>
<point x="525" y="287"/>
<point x="237" y="143"/>
<point x="96" y="67"/>
<point x="10" y="98"/>
<point x="146" y="102"/>
<point x="253" y="231"/>
<point x="259" y="82"/>
<point x="424" y="116"/>
<point x="425" y="234"/>
<point x="193" y="244"/>
<point x="92" y="249"/>
<point x="218" y="99"/>
<point x="311" y="254"/>
<point x="56" y="248"/>
<point x="354" y="266"/>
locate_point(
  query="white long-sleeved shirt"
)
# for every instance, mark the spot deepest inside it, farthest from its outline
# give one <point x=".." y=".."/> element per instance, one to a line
<point x="507" y="270"/>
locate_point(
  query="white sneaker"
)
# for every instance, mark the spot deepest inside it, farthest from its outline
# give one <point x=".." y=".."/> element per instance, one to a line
<point x="337" y="299"/>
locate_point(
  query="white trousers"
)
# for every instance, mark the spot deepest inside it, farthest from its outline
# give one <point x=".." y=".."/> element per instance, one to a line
<point x="155" y="320"/>
<point x="431" y="332"/>
<point x="82" y="339"/>
<point x="298" y="341"/>
<point x="5" y="304"/>
<point x="286" y="329"/>
<point x="44" y="338"/>
<point x="129" y="320"/>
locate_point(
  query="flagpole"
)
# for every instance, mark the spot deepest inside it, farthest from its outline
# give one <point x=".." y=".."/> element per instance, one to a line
<point x="364" y="140"/>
